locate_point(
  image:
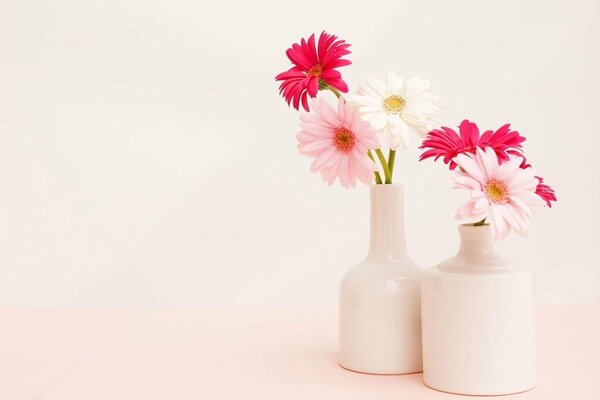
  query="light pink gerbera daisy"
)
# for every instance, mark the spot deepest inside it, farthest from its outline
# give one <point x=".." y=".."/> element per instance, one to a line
<point x="504" y="193"/>
<point x="339" y="141"/>
<point x="446" y="143"/>
<point x="313" y="62"/>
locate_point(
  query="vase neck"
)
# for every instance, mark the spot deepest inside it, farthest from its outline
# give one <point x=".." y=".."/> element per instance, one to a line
<point x="476" y="241"/>
<point x="388" y="241"/>
<point x="476" y="254"/>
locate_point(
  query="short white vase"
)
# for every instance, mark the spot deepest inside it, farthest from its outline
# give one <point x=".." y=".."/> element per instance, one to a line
<point x="380" y="316"/>
<point x="478" y="315"/>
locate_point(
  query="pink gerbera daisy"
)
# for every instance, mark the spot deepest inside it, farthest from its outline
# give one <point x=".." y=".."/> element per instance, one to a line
<point x="339" y="141"/>
<point x="446" y="143"/>
<point x="545" y="192"/>
<point x="504" y="193"/>
<point x="313" y="63"/>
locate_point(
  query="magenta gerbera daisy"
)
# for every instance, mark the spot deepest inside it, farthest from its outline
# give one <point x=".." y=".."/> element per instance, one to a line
<point x="545" y="192"/>
<point x="446" y="143"/>
<point x="339" y="142"/>
<point x="314" y="63"/>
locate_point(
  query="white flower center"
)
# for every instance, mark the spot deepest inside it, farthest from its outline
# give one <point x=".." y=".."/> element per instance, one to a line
<point x="394" y="104"/>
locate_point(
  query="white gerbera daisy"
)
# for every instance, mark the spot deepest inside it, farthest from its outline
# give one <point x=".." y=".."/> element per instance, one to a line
<point x="397" y="107"/>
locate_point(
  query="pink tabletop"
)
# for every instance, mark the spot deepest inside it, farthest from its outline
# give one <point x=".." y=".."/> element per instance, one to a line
<point x="56" y="354"/>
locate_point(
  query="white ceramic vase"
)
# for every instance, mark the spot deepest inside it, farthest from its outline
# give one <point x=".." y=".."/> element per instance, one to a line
<point x="380" y="321"/>
<point x="478" y="315"/>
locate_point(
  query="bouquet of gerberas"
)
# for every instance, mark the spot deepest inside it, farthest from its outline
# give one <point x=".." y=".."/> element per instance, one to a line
<point x="346" y="139"/>
<point x="475" y="295"/>
<point x="503" y="186"/>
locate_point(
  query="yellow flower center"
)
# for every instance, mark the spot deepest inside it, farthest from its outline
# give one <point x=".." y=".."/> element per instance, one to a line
<point x="495" y="191"/>
<point x="394" y="104"/>
<point x="344" y="140"/>
<point x="315" y="71"/>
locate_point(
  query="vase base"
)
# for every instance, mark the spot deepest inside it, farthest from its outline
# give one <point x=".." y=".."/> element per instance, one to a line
<point x="479" y="393"/>
<point x="359" y="371"/>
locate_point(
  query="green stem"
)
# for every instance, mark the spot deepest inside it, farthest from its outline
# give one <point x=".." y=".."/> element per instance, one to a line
<point x="384" y="165"/>
<point x="391" y="160"/>
<point x="325" y="86"/>
<point x="335" y="91"/>
<point x="479" y="223"/>
<point x="377" y="175"/>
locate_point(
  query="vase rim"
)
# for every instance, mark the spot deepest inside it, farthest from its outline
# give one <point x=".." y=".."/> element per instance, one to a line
<point x="394" y="184"/>
<point x="470" y="225"/>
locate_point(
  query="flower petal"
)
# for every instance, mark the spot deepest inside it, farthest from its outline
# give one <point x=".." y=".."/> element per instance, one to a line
<point x="470" y="166"/>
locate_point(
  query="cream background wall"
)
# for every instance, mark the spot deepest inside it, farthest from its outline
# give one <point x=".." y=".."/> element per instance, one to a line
<point x="147" y="160"/>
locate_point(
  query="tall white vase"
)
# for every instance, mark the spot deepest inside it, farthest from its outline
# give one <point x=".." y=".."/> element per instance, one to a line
<point x="380" y="321"/>
<point x="478" y="314"/>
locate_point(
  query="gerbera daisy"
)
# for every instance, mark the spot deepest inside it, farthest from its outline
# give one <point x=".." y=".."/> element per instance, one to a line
<point x="397" y="107"/>
<point x="504" y="193"/>
<point x="446" y="143"/>
<point x="314" y="64"/>
<point x="545" y="192"/>
<point x="339" y="142"/>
